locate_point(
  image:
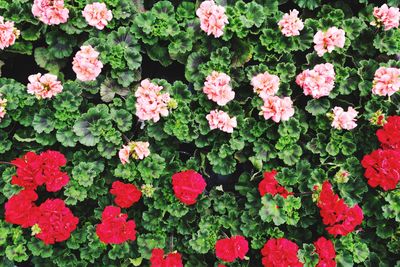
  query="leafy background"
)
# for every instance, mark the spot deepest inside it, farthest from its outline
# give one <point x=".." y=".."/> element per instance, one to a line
<point x="162" y="40"/>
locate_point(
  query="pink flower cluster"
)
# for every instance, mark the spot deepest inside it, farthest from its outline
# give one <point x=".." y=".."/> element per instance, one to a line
<point x="317" y="82"/>
<point x="277" y="108"/>
<point x="50" y="12"/>
<point x="329" y="40"/>
<point x="86" y="64"/>
<point x="291" y="24"/>
<point x="97" y="15"/>
<point x="3" y="104"/>
<point x="221" y="120"/>
<point x="387" y="16"/>
<point x="218" y="89"/>
<point x="150" y="102"/>
<point x="265" y="84"/>
<point x="138" y="150"/>
<point x="212" y="18"/>
<point x="386" y="81"/>
<point x="8" y="33"/>
<point x="344" y="119"/>
<point x="45" y="86"/>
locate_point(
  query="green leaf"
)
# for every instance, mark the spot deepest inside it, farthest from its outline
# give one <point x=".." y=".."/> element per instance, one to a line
<point x="44" y="121"/>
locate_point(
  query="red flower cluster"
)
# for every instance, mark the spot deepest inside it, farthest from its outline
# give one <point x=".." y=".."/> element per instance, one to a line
<point x="280" y="253"/>
<point x="114" y="227"/>
<point x="125" y="194"/>
<point x="382" y="167"/>
<point x="34" y="170"/>
<point x="340" y="219"/>
<point x="188" y="185"/>
<point x="20" y="208"/>
<point x="389" y="135"/>
<point x="326" y="252"/>
<point x="230" y="249"/>
<point x="271" y="186"/>
<point x="159" y="260"/>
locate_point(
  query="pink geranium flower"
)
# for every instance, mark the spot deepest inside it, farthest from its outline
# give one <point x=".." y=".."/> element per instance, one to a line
<point x="136" y="150"/>
<point x="50" y="12"/>
<point x="8" y="33"/>
<point x="291" y="24"/>
<point x="218" y="89"/>
<point x="278" y="109"/>
<point x="265" y="84"/>
<point x="329" y="40"/>
<point x="212" y="18"/>
<point x="124" y="154"/>
<point x="45" y="86"/>
<point x="86" y="64"/>
<point x="344" y="119"/>
<point x="221" y="120"/>
<point x="317" y="82"/>
<point x="387" y="16"/>
<point x="97" y="15"/>
<point x="3" y="104"/>
<point x="386" y="81"/>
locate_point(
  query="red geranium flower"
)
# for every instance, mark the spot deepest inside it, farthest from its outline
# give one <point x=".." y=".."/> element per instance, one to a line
<point x="20" y="208"/>
<point x="326" y="252"/>
<point x="159" y="260"/>
<point x="389" y="135"/>
<point x="382" y="168"/>
<point x="280" y="253"/>
<point x="229" y="249"/>
<point x="54" y="178"/>
<point x="114" y="227"/>
<point x="339" y="218"/>
<point x="125" y="194"/>
<point x="188" y="185"/>
<point x="269" y="185"/>
<point x="55" y="220"/>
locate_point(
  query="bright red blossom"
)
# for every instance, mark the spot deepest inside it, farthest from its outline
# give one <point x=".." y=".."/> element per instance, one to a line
<point x="125" y="194"/>
<point x="230" y="249"/>
<point x="20" y="208"/>
<point x="389" y="135"/>
<point x="280" y="252"/>
<point x="340" y="218"/>
<point x="188" y="185"/>
<point x="158" y="259"/>
<point x="269" y="185"/>
<point x="326" y="252"/>
<point x="114" y="227"/>
<point x="55" y="220"/>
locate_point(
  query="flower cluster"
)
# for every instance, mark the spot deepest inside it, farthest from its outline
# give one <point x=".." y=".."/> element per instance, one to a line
<point x="158" y="259"/>
<point x="327" y="41"/>
<point x="218" y="89"/>
<point x="280" y="252"/>
<point x="97" y="15"/>
<point x="386" y="81"/>
<point x="230" y="249"/>
<point x="50" y="12"/>
<point x="150" y="102"/>
<point x="20" y="209"/>
<point x="389" y="135"/>
<point x="340" y="218"/>
<point x="221" y="120"/>
<point x="125" y="194"/>
<point x="8" y="33"/>
<point x="265" y="85"/>
<point x="46" y="86"/>
<point x="277" y="108"/>
<point x="188" y="185"/>
<point x="344" y="119"/>
<point x="317" y="82"/>
<point x="114" y="227"/>
<point x="385" y="16"/>
<point x="86" y="64"/>
<point x="3" y="105"/>
<point x="136" y="150"/>
<point x="291" y="24"/>
<point x="326" y="252"/>
<point x="269" y="185"/>
<point x="212" y="18"/>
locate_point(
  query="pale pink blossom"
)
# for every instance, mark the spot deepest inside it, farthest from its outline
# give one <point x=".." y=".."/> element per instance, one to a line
<point x="344" y="119"/>
<point x="389" y="17"/>
<point x="151" y="104"/>
<point x="97" y="15"/>
<point x="221" y="120"/>
<point x="278" y="109"/>
<point x="291" y="24"/>
<point x="265" y="84"/>
<point x="329" y="40"/>
<point x="3" y="104"/>
<point x="124" y="154"/>
<point x="317" y="82"/>
<point x="140" y="150"/>
<point x="86" y="64"/>
<point x="45" y="86"/>
<point x="386" y="81"/>
<point x="8" y="33"/>
<point x="218" y="89"/>
<point x="212" y="18"/>
<point x="51" y="12"/>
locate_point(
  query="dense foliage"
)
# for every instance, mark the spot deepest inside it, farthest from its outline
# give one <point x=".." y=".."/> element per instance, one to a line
<point x="272" y="166"/>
